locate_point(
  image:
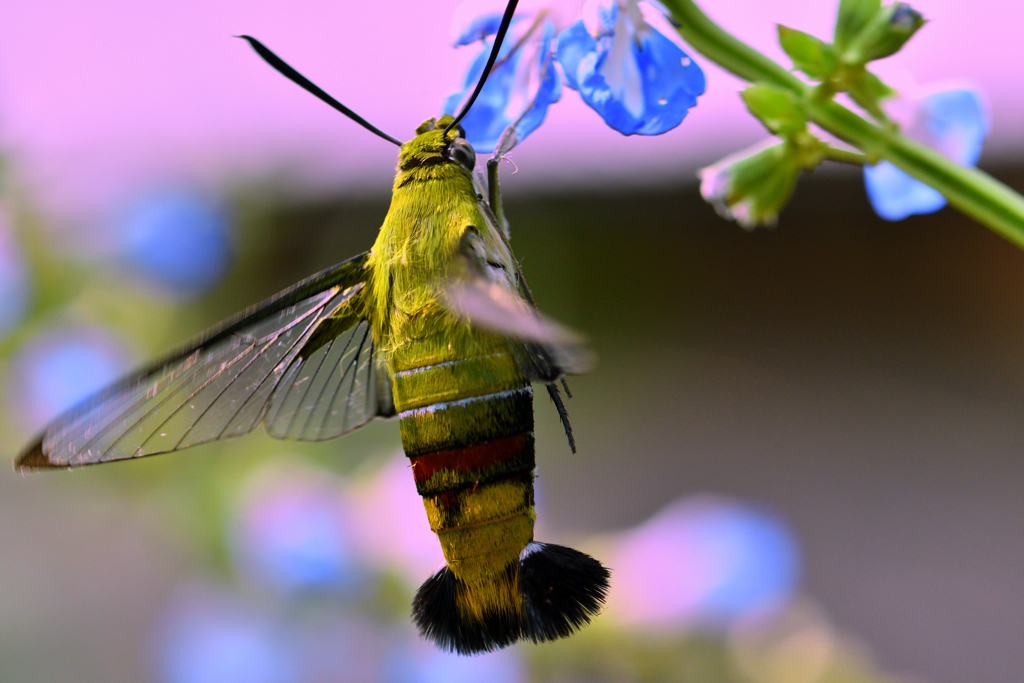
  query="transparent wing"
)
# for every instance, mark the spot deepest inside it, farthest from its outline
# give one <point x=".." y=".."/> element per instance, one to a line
<point x="337" y="388"/>
<point x="221" y="386"/>
<point x="483" y="295"/>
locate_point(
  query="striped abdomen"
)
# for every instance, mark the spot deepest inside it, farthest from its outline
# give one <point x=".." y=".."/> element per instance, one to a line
<point x="467" y="427"/>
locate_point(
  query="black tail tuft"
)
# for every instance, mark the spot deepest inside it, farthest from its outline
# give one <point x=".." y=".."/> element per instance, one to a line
<point x="437" y="614"/>
<point x="562" y="590"/>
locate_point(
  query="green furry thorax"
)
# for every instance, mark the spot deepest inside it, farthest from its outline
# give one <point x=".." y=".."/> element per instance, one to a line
<point x="432" y="204"/>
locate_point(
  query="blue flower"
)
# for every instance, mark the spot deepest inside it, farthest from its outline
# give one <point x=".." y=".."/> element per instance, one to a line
<point x="60" y="368"/>
<point x="953" y="121"/>
<point x="178" y="239"/>
<point x="14" y="282"/>
<point x="210" y="636"/>
<point x="639" y="81"/>
<point x="522" y="85"/>
<point x="292" y="533"/>
<point x="477" y="20"/>
<point x="704" y="561"/>
<point x="419" y="664"/>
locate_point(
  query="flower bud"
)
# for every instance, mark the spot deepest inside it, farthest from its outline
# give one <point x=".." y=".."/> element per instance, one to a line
<point x="753" y="185"/>
<point x="875" y="32"/>
<point x="903" y="21"/>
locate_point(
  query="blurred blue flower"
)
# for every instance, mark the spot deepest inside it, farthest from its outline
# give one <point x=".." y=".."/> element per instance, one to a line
<point x="522" y="85"/>
<point x="58" y="369"/>
<point x="209" y="638"/>
<point x="178" y="239"/>
<point x="639" y="81"/>
<point x="703" y="562"/>
<point x="401" y="540"/>
<point x="14" y="282"/>
<point x="953" y="121"/>
<point x="425" y="664"/>
<point x="292" y="532"/>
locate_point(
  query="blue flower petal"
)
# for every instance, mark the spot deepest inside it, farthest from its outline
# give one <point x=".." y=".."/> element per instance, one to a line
<point x="549" y="91"/>
<point x="959" y="120"/>
<point x="574" y="43"/>
<point x="895" y="195"/>
<point x="481" y="27"/>
<point x="644" y="89"/>
<point x="477" y="20"/>
<point x="672" y="82"/>
<point x="705" y="562"/>
<point x="956" y="122"/>
<point x="488" y="118"/>
<point x="490" y="115"/>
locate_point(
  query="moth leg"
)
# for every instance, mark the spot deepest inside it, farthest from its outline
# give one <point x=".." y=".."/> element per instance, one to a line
<point x="494" y="198"/>
<point x="498" y="209"/>
<point x="563" y="414"/>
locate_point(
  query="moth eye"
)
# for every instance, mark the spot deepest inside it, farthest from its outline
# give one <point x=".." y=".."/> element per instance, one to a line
<point x="463" y="153"/>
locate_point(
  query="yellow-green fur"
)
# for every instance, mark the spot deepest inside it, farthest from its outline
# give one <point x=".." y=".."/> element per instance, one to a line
<point x="433" y="204"/>
<point x="431" y="207"/>
<point x="452" y="380"/>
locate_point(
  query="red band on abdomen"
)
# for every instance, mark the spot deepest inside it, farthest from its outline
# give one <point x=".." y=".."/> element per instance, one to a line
<point x="452" y="468"/>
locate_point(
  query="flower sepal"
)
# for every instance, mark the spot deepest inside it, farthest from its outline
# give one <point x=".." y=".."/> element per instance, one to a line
<point x="851" y="20"/>
<point x="812" y="55"/>
<point x="776" y="108"/>
<point x="868" y="91"/>
<point x="840" y="67"/>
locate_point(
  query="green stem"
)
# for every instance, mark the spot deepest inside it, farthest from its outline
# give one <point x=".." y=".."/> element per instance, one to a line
<point x="845" y="156"/>
<point x="975" y="193"/>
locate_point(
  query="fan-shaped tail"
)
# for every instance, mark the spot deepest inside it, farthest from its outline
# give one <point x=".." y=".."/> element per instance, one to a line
<point x="551" y="592"/>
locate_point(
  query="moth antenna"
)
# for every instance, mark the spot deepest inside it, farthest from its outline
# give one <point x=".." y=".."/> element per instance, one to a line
<point x="294" y="76"/>
<point x="499" y="38"/>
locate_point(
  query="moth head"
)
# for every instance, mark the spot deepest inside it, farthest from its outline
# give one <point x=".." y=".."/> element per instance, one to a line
<point x="432" y="145"/>
<point x="440" y="124"/>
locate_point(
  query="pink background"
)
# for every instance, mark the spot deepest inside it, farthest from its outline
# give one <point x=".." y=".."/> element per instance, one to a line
<point x="97" y="97"/>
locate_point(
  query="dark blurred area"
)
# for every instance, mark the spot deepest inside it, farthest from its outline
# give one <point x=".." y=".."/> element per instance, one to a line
<point x="838" y="385"/>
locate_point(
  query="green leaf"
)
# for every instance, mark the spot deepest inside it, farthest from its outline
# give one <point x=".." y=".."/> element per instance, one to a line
<point x="853" y="16"/>
<point x="777" y="109"/>
<point x="811" y="55"/>
<point x="867" y="90"/>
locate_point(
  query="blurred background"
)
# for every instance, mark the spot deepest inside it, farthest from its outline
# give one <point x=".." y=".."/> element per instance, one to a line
<point x="800" y="452"/>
